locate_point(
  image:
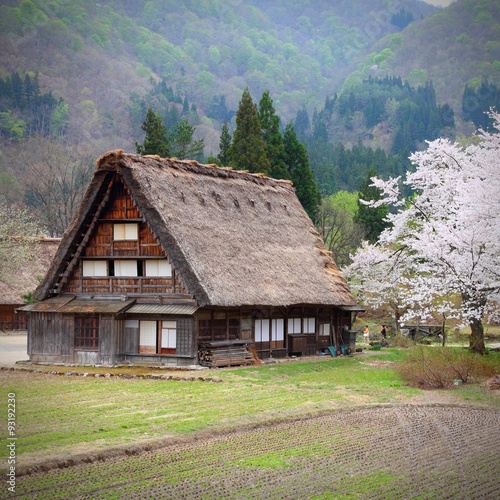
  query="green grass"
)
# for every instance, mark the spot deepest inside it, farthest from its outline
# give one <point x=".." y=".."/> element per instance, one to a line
<point x="58" y="414"/>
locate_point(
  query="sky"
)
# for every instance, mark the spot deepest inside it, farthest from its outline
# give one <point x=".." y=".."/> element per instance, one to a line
<point x="440" y="3"/>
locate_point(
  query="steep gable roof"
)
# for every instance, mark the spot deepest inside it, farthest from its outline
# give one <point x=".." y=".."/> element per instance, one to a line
<point x="237" y="238"/>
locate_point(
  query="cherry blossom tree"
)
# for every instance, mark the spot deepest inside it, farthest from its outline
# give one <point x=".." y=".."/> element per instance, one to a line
<point x="446" y="236"/>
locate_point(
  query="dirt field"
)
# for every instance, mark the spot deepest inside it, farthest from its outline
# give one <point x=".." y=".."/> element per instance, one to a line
<point x="405" y="451"/>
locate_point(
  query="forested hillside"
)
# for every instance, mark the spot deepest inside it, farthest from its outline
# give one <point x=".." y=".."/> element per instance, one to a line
<point x="95" y="55"/>
<point x="456" y="46"/>
<point x="363" y="82"/>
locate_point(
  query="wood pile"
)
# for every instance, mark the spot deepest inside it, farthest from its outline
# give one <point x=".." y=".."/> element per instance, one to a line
<point x="225" y="353"/>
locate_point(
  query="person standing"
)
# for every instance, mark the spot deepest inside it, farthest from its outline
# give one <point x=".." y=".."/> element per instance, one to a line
<point x="366" y="334"/>
<point x="383" y="332"/>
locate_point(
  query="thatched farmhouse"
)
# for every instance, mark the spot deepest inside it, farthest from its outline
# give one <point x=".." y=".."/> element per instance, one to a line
<point x="179" y="263"/>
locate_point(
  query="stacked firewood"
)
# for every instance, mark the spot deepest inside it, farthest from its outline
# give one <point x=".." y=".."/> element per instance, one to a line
<point x="215" y="355"/>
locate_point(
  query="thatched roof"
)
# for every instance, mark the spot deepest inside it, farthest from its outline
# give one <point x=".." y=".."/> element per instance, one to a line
<point x="25" y="278"/>
<point x="237" y="238"/>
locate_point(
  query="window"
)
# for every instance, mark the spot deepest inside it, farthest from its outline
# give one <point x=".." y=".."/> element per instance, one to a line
<point x="278" y="329"/>
<point x="157" y="337"/>
<point x="147" y="337"/>
<point x="309" y="325"/>
<point x="168" y="337"/>
<point x="324" y="329"/>
<point x="125" y="268"/>
<point x="160" y="267"/>
<point x="295" y="325"/>
<point x="269" y="330"/>
<point x="87" y="332"/>
<point x="126" y="231"/>
<point x="94" y="268"/>
<point x="261" y="330"/>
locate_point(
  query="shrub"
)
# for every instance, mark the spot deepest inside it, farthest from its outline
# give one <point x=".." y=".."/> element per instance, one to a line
<point x="439" y="367"/>
<point x="399" y="340"/>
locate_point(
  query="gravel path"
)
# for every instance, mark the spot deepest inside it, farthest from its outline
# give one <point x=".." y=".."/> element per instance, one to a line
<point x="390" y="452"/>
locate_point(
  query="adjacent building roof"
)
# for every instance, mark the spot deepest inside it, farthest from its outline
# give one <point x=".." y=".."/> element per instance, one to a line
<point x="25" y="278"/>
<point x="237" y="238"/>
<point x="70" y="304"/>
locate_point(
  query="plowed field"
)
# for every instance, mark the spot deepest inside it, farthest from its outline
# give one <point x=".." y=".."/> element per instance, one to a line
<point x="402" y="451"/>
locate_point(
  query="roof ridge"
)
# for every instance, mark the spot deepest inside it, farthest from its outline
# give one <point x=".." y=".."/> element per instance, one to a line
<point x="116" y="156"/>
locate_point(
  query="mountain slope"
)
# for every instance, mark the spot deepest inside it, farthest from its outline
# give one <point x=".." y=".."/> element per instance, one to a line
<point x="451" y="48"/>
<point x="95" y="55"/>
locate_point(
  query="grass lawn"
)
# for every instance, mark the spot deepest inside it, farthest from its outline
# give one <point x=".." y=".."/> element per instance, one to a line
<point x="61" y="415"/>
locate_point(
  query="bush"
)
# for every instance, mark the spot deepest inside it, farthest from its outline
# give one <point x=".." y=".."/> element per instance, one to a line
<point x="399" y="340"/>
<point x="439" y="367"/>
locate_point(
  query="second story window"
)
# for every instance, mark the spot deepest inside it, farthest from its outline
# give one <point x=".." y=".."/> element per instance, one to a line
<point x="126" y="231"/>
<point x="128" y="268"/>
<point x="94" y="268"/>
<point x="158" y="267"/>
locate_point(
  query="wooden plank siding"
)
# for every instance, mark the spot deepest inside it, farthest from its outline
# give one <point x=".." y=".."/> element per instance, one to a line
<point x="52" y="337"/>
<point x="128" y="343"/>
<point x="10" y="319"/>
<point x="102" y="246"/>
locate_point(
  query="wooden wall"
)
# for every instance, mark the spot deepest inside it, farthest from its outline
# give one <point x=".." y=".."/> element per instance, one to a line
<point x="10" y="319"/>
<point x="102" y="246"/>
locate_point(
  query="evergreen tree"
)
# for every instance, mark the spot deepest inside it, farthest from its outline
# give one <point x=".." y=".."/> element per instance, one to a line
<point x="275" y="150"/>
<point x="300" y="172"/>
<point x="302" y="123"/>
<point x="248" y="151"/>
<point x="224" y="157"/>
<point x="181" y="142"/>
<point x="372" y="218"/>
<point x="156" y="140"/>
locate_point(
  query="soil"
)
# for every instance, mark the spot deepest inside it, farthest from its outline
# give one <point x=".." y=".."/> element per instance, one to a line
<point x="433" y="446"/>
<point x="403" y="451"/>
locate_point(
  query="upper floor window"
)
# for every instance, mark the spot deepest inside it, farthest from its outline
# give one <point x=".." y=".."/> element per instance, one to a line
<point x="125" y="268"/>
<point x="129" y="231"/>
<point x="95" y="268"/>
<point x="158" y="267"/>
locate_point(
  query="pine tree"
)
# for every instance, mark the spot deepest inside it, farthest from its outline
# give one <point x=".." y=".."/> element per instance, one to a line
<point x="302" y="123"/>
<point x="156" y="140"/>
<point x="372" y="218"/>
<point x="300" y="172"/>
<point x="181" y="141"/>
<point x="224" y="157"/>
<point x="275" y="150"/>
<point x="248" y="151"/>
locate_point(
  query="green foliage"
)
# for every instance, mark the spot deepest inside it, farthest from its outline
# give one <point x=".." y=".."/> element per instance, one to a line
<point x="248" y="151"/>
<point x="156" y="141"/>
<point x="11" y="127"/>
<point x="402" y="18"/>
<point x="297" y="163"/>
<point x="372" y="218"/>
<point x="337" y="226"/>
<point x="224" y="157"/>
<point x="25" y="110"/>
<point x="182" y="144"/>
<point x="275" y="149"/>
<point x="452" y="46"/>
<point x="477" y="102"/>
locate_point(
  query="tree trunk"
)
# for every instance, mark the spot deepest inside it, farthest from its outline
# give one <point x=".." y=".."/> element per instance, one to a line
<point x="477" y="336"/>
<point x="443" y="326"/>
<point x="475" y="302"/>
